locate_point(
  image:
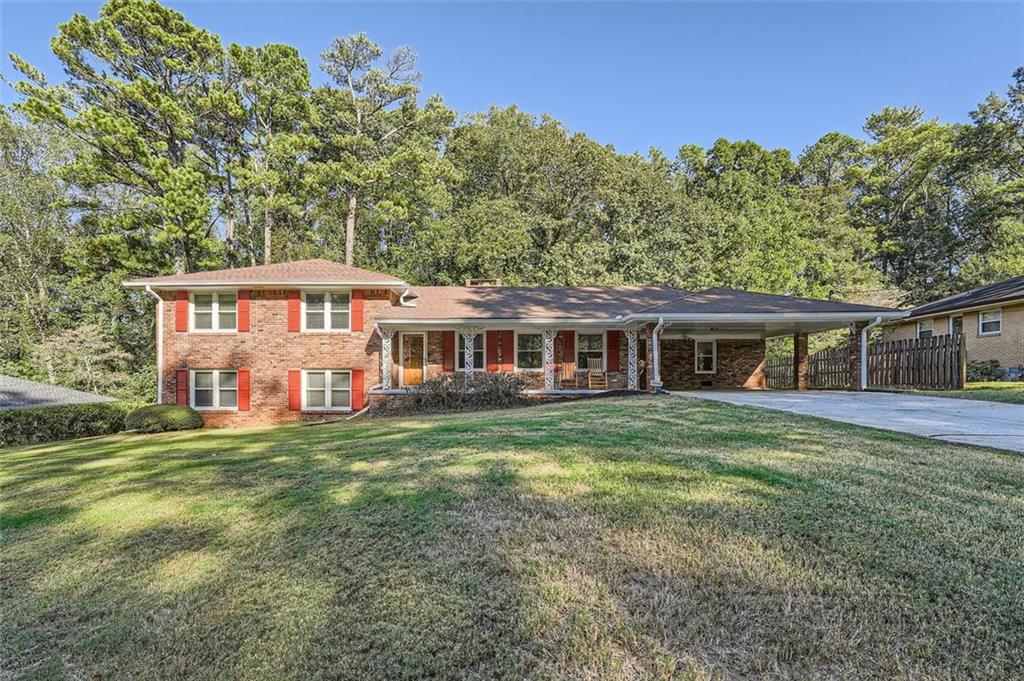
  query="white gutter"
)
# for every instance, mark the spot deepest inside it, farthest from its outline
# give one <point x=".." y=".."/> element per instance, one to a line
<point x="175" y="285"/>
<point x="656" y="351"/>
<point x="406" y="303"/>
<point x="864" y="352"/>
<point x="159" y="345"/>
<point x="625" y="320"/>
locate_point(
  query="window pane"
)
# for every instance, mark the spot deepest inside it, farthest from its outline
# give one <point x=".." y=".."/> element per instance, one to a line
<point x="227" y="305"/>
<point x="591" y="342"/>
<point x="957" y="325"/>
<point x="203" y="302"/>
<point x="229" y="398"/>
<point x="705" y="363"/>
<point x="339" y="310"/>
<point x="925" y="334"/>
<point x="530" y="341"/>
<point x="202" y="305"/>
<point x="204" y="379"/>
<point x="314" y="310"/>
<point x="705" y="356"/>
<point x="340" y="399"/>
<point x="204" y="397"/>
<point x="340" y="380"/>
<point x="228" y="380"/>
<point x="315" y="379"/>
<point x="315" y="398"/>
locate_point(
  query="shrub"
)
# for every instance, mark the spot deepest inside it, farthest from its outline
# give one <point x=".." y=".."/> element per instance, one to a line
<point x="157" y="418"/>
<point x="987" y="370"/>
<point x="459" y="391"/>
<point x="63" y="422"/>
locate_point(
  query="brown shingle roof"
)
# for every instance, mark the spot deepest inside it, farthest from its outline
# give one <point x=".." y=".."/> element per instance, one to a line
<point x="602" y="302"/>
<point x="999" y="292"/>
<point x="316" y="271"/>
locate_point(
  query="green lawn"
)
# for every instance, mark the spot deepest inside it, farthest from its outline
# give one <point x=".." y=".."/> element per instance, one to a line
<point x="646" y="537"/>
<point x="991" y="391"/>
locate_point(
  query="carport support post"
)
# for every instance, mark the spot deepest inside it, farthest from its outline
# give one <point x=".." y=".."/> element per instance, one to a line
<point x="854" y="355"/>
<point x="800" y="361"/>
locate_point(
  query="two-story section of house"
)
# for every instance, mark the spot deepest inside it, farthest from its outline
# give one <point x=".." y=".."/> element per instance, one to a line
<point x="315" y="338"/>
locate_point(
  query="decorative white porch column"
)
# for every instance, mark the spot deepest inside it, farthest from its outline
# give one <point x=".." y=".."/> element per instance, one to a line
<point x="549" y="359"/>
<point x="469" y="340"/>
<point x="634" y="375"/>
<point x="656" y="356"/>
<point x="386" y="335"/>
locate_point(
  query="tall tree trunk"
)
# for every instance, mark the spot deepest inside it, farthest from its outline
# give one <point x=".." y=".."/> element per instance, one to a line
<point x="267" y="228"/>
<point x="180" y="259"/>
<point x="350" y="228"/>
<point x="229" y="238"/>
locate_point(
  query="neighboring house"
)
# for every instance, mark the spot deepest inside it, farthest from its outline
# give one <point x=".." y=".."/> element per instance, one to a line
<point x="990" y="317"/>
<point x="296" y="339"/>
<point x="19" y="393"/>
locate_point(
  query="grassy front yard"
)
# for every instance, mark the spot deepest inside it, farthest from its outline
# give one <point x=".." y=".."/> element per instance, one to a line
<point x="991" y="391"/>
<point x="643" y="537"/>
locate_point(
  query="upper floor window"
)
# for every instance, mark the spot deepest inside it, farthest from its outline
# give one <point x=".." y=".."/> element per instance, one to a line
<point x="325" y="311"/>
<point x="705" y="357"/>
<point x="327" y="389"/>
<point x="214" y="312"/>
<point x="589" y="346"/>
<point x="215" y="389"/>
<point x="529" y="351"/>
<point x="478" y="352"/>
<point x="990" y="323"/>
<point x="926" y="328"/>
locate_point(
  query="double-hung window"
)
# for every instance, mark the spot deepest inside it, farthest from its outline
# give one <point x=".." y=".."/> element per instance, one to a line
<point x="214" y="312"/>
<point x="478" y="352"/>
<point x="990" y="323"/>
<point x="589" y="346"/>
<point x="705" y="357"/>
<point x="926" y="328"/>
<point x="529" y="351"/>
<point x="326" y="311"/>
<point x="215" y="389"/>
<point x="327" y="389"/>
<point x="956" y="325"/>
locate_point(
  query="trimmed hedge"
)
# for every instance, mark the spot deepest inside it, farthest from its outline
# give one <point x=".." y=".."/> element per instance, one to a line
<point x="64" y="422"/>
<point x="158" y="418"/>
<point x="458" y="391"/>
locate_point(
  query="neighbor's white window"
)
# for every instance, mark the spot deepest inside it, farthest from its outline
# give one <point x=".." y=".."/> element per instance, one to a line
<point x="327" y="389"/>
<point x="926" y="328"/>
<point x="214" y="312"/>
<point x="478" y="352"/>
<point x="990" y="323"/>
<point x="956" y="325"/>
<point x="325" y="311"/>
<point x="705" y="356"/>
<point x="215" y="389"/>
<point x="529" y="351"/>
<point x="589" y="346"/>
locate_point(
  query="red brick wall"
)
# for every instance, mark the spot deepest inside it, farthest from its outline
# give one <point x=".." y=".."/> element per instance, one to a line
<point x="740" y="364"/>
<point x="269" y="350"/>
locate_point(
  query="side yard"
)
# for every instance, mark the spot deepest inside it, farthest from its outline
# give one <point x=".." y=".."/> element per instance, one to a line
<point x="639" y="537"/>
<point x="991" y="391"/>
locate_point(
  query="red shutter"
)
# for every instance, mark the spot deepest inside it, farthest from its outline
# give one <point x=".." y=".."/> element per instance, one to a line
<point x="508" y="351"/>
<point x="448" y="350"/>
<point x="614" y="340"/>
<point x="294" y="311"/>
<point x="243" y="390"/>
<point x="358" y="390"/>
<point x="243" y="310"/>
<point x="491" y="350"/>
<point x="294" y="389"/>
<point x="181" y="311"/>
<point x="181" y="387"/>
<point x="568" y="346"/>
<point x="357" y="310"/>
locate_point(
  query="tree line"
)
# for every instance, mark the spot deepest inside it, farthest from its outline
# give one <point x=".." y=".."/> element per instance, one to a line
<point x="164" y="150"/>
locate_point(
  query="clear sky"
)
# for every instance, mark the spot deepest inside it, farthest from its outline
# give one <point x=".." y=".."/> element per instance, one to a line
<point x="641" y="75"/>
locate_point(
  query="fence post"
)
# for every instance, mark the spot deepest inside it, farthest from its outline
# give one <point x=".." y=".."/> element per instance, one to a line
<point x="962" y="359"/>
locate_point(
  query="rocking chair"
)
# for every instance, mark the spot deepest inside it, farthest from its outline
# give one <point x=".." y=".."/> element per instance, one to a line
<point x="567" y="379"/>
<point x="597" y="377"/>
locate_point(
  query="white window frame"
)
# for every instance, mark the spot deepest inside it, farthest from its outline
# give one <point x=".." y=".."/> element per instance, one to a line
<point x="949" y="328"/>
<point x="401" y="355"/>
<point x="917" y="333"/>
<point x="460" y="355"/>
<point x="216" y="389"/>
<point x="696" y="356"/>
<point x="604" y="348"/>
<point x="327" y="311"/>
<point x="216" y="311"/>
<point x="515" y="349"/>
<point x="981" y="320"/>
<point x="327" y="390"/>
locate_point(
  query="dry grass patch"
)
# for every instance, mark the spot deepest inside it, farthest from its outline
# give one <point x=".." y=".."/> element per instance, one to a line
<point x="627" y="538"/>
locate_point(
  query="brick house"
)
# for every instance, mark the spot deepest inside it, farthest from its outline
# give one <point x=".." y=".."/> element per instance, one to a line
<point x="991" y="318"/>
<point x="312" y="338"/>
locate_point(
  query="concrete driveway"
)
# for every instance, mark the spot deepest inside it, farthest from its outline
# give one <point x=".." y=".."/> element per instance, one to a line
<point x="990" y="424"/>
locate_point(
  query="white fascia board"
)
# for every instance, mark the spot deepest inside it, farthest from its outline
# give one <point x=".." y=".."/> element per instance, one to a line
<point x="721" y="317"/>
<point x="499" y="323"/>
<point x="264" y="284"/>
<point x="956" y="312"/>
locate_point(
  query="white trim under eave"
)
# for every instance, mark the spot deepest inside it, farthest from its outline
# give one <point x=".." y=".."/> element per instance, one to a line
<point x="959" y="311"/>
<point x="626" y="320"/>
<point x="265" y="284"/>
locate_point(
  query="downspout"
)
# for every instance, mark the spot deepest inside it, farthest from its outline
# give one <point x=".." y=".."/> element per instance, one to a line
<point x="656" y="354"/>
<point x="159" y="344"/>
<point x="364" y="409"/>
<point x="864" y="352"/>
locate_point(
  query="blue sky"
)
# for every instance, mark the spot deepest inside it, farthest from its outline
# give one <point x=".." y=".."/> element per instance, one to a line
<point x="641" y="75"/>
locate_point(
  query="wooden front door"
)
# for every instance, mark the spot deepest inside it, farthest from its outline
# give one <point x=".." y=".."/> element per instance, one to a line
<point x="412" y="358"/>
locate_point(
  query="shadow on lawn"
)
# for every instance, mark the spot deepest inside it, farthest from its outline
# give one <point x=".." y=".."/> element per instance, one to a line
<point x="624" y="538"/>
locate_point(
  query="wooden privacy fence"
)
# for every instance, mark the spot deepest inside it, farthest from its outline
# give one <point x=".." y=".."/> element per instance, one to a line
<point x="936" y="363"/>
<point x="825" y="369"/>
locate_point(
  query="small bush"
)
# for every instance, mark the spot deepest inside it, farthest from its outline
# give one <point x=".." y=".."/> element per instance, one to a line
<point x="458" y="391"/>
<point x="987" y="370"/>
<point x="64" y="422"/>
<point x="158" y="418"/>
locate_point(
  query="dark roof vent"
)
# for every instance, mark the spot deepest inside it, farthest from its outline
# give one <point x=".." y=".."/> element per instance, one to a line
<point x="483" y="282"/>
